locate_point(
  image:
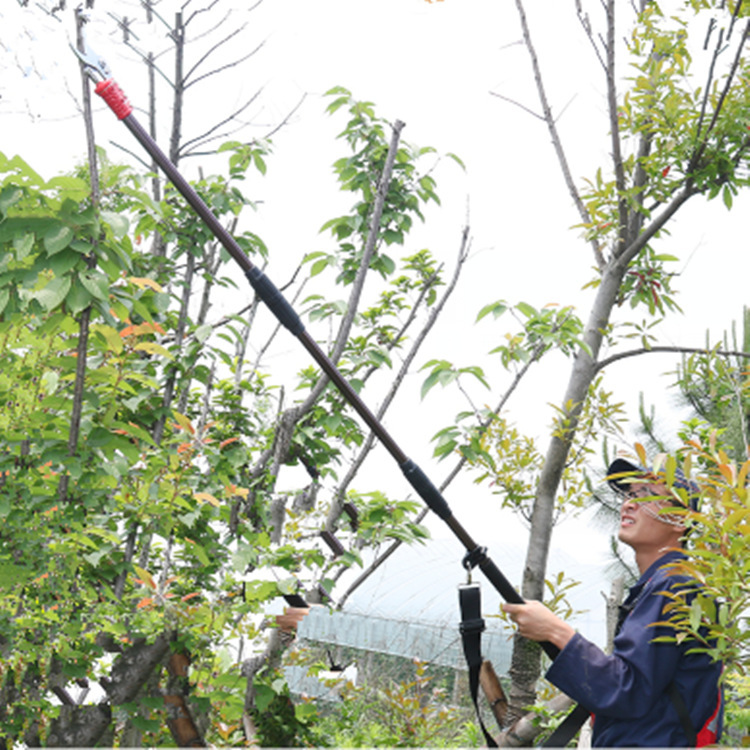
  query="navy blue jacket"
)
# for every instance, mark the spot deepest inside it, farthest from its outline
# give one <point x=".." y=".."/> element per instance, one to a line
<point x="626" y="689"/>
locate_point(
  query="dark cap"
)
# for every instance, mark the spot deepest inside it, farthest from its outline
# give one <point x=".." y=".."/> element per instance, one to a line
<point x="621" y="472"/>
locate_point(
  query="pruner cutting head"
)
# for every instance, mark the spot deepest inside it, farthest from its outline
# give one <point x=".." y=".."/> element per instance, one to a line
<point x="93" y="64"/>
<point x="98" y="70"/>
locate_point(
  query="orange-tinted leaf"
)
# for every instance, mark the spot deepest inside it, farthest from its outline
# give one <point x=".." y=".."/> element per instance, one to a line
<point x="641" y="451"/>
<point x="141" y="283"/>
<point x="184" y="422"/>
<point x="145" y="576"/>
<point x="205" y="497"/>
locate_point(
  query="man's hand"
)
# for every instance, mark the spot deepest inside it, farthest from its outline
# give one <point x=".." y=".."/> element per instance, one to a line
<point x="537" y="622"/>
<point x="291" y="618"/>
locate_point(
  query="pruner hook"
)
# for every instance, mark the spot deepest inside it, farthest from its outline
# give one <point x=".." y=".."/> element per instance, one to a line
<point x="95" y="66"/>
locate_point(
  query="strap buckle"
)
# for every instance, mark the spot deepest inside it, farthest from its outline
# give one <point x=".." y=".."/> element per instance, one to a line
<point x="473" y="558"/>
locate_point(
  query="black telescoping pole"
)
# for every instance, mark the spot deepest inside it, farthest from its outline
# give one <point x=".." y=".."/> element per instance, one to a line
<point x="287" y="316"/>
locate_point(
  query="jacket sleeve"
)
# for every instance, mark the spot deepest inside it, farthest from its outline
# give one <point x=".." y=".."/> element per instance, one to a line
<point x="627" y="682"/>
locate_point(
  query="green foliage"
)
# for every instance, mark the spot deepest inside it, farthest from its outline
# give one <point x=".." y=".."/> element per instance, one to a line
<point x="162" y="519"/>
<point x="711" y="608"/>
<point x="737" y="716"/>
<point x="280" y="722"/>
<point x="445" y="373"/>
<point x="543" y="330"/>
<point x="410" y="713"/>
<point x="716" y="388"/>
<point x="382" y="518"/>
<point x="677" y="137"/>
<point x="408" y="191"/>
<point x="509" y="460"/>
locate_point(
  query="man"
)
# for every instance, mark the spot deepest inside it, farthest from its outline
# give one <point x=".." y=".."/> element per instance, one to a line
<point x="646" y="693"/>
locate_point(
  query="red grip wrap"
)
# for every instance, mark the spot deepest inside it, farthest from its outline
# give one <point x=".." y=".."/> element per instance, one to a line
<point x="115" y="98"/>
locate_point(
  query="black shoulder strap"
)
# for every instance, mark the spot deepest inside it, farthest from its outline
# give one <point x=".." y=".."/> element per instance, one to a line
<point x="679" y="705"/>
<point x="567" y="729"/>
<point x="472" y="626"/>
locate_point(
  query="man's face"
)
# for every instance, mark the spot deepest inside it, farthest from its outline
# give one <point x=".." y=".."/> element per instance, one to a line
<point x="643" y="524"/>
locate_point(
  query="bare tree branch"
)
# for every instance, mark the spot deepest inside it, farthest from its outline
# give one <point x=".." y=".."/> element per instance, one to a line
<point x="213" y="49"/>
<point x="614" y="127"/>
<point x="586" y="24"/>
<point x="722" y="97"/>
<point x="228" y="66"/>
<point x="204" y="137"/>
<point x="518" y="104"/>
<point x="551" y="126"/>
<point x="286" y="119"/>
<point x="602" y="364"/>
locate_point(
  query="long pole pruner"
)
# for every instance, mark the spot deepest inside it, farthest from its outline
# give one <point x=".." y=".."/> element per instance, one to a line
<point x="107" y="88"/>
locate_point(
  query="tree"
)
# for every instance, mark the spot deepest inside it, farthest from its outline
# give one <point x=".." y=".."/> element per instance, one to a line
<point x="202" y="453"/>
<point x="143" y="527"/>
<point x="670" y="141"/>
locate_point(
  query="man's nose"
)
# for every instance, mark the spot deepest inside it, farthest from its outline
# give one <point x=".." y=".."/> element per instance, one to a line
<point x="629" y="502"/>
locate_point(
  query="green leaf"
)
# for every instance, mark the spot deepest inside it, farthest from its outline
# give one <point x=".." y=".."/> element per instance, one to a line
<point x="23" y="245"/>
<point x="727" y="196"/>
<point x="4" y="297"/>
<point x="77" y="299"/>
<point x="318" y="266"/>
<point x="496" y="308"/>
<point x="54" y="293"/>
<point x="9" y="196"/>
<point x="49" y="381"/>
<point x="10" y="575"/>
<point x="259" y="590"/>
<point x="62" y="262"/>
<point x="145" y="725"/>
<point x="110" y="335"/>
<point x="96" y="284"/>
<point x="305" y="712"/>
<point x="203" y="332"/>
<point x="199" y="552"/>
<point x="457" y="160"/>
<point x="57" y="238"/>
<point x="118" y="222"/>
<point x="73" y="187"/>
<point x="264" y="696"/>
<point x="526" y="310"/>
<point x="153" y="348"/>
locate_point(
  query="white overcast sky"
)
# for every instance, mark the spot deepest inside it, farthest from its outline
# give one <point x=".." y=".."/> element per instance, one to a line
<point x="434" y="66"/>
